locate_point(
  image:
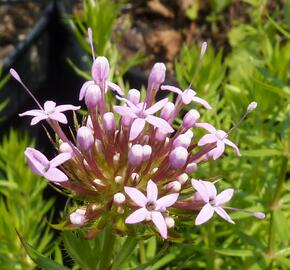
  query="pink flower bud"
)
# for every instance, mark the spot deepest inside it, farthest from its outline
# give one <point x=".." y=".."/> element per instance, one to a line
<point x="182" y="140"/>
<point x="119" y="198"/>
<point x="78" y="217"/>
<point x="168" y="111"/>
<point x="135" y="155"/>
<point x="65" y="148"/>
<point x="100" y="69"/>
<point x="134" y="96"/>
<point x="109" y="124"/>
<point x="169" y="222"/>
<point x="190" y="118"/>
<point x="174" y="186"/>
<point x="252" y="106"/>
<point x="189" y="133"/>
<point x="159" y="135"/>
<point x="147" y="151"/>
<point x="191" y="167"/>
<point x="135" y="178"/>
<point x="157" y="75"/>
<point x="93" y="96"/>
<point x="182" y="178"/>
<point x="85" y="138"/>
<point x="178" y="157"/>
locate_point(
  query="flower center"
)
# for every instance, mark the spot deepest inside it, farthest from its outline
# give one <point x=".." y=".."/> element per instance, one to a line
<point x="221" y="135"/>
<point x="150" y="206"/>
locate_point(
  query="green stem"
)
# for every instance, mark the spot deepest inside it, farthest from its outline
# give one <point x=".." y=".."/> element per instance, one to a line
<point x="211" y="246"/>
<point x="107" y="248"/>
<point x="275" y="205"/>
<point x="142" y="252"/>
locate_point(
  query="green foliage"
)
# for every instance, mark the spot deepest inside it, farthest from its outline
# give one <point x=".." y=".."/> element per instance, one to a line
<point x="22" y="206"/>
<point x="3" y="103"/>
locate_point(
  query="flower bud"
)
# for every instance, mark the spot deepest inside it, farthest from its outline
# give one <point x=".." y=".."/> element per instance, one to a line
<point x="65" y="148"/>
<point x="169" y="222"/>
<point x="147" y="151"/>
<point x="119" y="179"/>
<point x="182" y="140"/>
<point x="116" y="159"/>
<point x="98" y="146"/>
<point x="100" y="69"/>
<point x="178" y="157"/>
<point x="159" y="135"/>
<point x="134" y="96"/>
<point x="78" y="217"/>
<point x="190" y="118"/>
<point x="119" y="198"/>
<point x="174" y="186"/>
<point x="189" y="133"/>
<point x="252" y="106"/>
<point x="109" y="124"/>
<point x="85" y="138"/>
<point x="135" y="178"/>
<point x="156" y="76"/>
<point x="182" y="178"/>
<point x="135" y="156"/>
<point x="191" y="167"/>
<point x="167" y="111"/>
<point x="93" y="96"/>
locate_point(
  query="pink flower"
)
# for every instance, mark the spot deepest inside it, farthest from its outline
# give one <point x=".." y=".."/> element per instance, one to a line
<point x="150" y="207"/>
<point x="187" y="96"/>
<point x="216" y="136"/>
<point x="40" y="165"/>
<point x="50" y="112"/>
<point x="142" y="115"/>
<point x="214" y="203"/>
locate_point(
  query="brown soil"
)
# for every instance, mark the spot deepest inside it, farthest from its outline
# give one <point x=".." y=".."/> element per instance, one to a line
<point x="16" y="21"/>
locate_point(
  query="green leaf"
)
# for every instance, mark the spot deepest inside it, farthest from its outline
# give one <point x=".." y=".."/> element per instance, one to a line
<point x="235" y="253"/>
<point x="281" y="225"/>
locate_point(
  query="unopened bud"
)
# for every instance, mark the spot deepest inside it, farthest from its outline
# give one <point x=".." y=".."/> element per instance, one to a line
<point x="100" y="69"/>
<point x="135" y="155"/>
<point x="116" y="159"/>
<point x="147" y="151"/>
<point x="119" y="179"/>
<point x="119" y="198"/>
<point x="167" y="111"/>
<point x="154" y="170"/>
<point x="157" y="75"/>
<point x="98" y="182"/>
<point x="174" y="186"/>
<point x="159" y="135"/>
<point x="182" y="178"/>
<point x="134" y="96"/>
<point x="109" y="124"/>
<point x="191" y="167"/>
<point x="78" y="218"/>
<point x="252" y="106"/>
<point x="189" y="133"/>
<point x="65" y="148"/>
<point x="178" y="157"/>
<point x="182" y="140"/>
<point x="98" y="145"/>
<point x="93" y="96"/>
<point x="135" y="178"/>
<point x="169" y="222"/>
<point x="190" y="118"/>
<point x="85" y="138"/>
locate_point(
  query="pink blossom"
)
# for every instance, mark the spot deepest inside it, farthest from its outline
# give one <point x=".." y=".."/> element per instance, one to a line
<point x="216" y="136"/>
<point x="141" y="115"/>
<point x="187" y="96"/>
<point x="214" y="203"/>
<point x="151" y="208"/>
<point x="40" y="165"/>
<point x="50" y="112"/>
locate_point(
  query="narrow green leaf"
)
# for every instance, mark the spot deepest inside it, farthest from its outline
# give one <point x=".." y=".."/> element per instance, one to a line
<point x="235" y="253"/>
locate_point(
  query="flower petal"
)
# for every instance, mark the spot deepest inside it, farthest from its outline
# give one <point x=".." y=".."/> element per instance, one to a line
<point x="187" y="96"/>
<point x="38" y="118"/>
<point x="60" y="159"/>
<point x="84" y="89"/>
<point x="160" y="223"/>
<point x="210" y="189"/>
<point x="136" y="128"/>
<point x="223" y="214"/>
<point x="66" y="107"/>
<point x="206" y="139"/>
<point x="231" y="144"/>
<point x="32" y="113"/>
<point x="49" y="106"/>
<point x="200" y="188"/>
<point x="57" y="116"/>
<point x="136" y="196"/>
<point x="159" y="123"/>
<point x="166" y="201"/>
<point x="36" y="160"/>
<point x="172" y="89"/>
<point x="224" y="196"/>
<point x="55" y="175"/>
<point x="205" y="214"/>
<point x="219" y="150"/>
<point x="152" y="191"/>
<point x="157" y="106"/>
<point x="137" y="216"/>
<point x="116" y="88"/>
<point x="201" y="101"/>
<point x="125" y="111"/>
<point x="207" y="127"/>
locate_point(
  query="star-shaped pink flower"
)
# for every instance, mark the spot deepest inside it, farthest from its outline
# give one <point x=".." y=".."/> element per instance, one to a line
<point x="40" y="165"/>
<point x="141" y="115"/>
<point x="207" y="192"/>
<point x="187" y="96"/>
<point x="51" y="112"/>
<point x="151" y="208"/>
<point x="216" y="136"/>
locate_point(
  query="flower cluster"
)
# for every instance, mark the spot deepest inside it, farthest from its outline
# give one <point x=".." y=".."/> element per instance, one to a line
<point x="126" y="163"/>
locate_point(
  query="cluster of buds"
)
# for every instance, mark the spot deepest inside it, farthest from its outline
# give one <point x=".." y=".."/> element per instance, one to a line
<point x="126" y="163"/>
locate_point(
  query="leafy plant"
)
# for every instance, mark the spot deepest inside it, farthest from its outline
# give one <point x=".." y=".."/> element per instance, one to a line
<point x="4" y="102"/>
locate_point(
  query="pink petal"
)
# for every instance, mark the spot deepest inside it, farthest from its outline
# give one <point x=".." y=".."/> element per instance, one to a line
<point x="136" y="128"/>
<point x="203" y="102"/>
<point x="38" y="118"/>
<point x="224" y="196"/>
<point x="172" y="89"/>
<point x="166" y="201"/>
<point x="219" y="150"/>
<point x="200" y="188"/>
<point x="205" y="214"/>
<point x="231" y="144"/>
<point x="60" y="159"/>
<point x="157" y="106"/>
<point x="57" y="116"/>
<point x="116" y="88"/>
<point x="125" y="111"/>
<point x="66" y="107"/>
<point x="55" y="175"/>
<point x="129" y="103"/>
<point x="84" y="89"/>
<point x="152" y="191"/>
<point x="36" y="160"/>
<point x="210" y="188"/>
<point x="188" y="96"/>
<point x="32" y="113"/>
<point x="137" y="196"/>
<point x="206" y="139"/>
<point x="207" y="127"/>
<point x="49" y="106"/>
<point x="137" y="216"/>
<point x="160" y="223"/>
<point x="222" y="213"/>
<point x="159" y="123"/>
